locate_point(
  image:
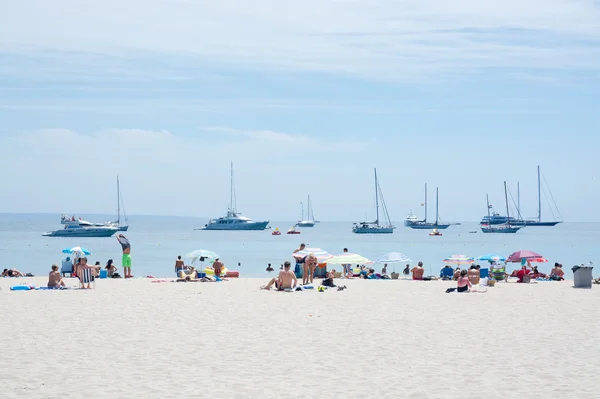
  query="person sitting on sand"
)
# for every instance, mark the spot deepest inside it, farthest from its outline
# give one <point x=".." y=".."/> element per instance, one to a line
<point x="55" y="279"/>
<point x="418" y="271"/>
<point x="270" y="268"/>
<point x="286" y="279"/>
<point x="328" y="281"/>
<point x="384" y="270"/>
<point x="474" y="275"/>
<point x="463" y="283"/>
<point x="96" y="269"/>
<point x="456" y="275"/>
<point x="406" y="270"/>
<point x="12" y="273"/>
<point x="110" y="268"/>
<point x="557" y="273"/>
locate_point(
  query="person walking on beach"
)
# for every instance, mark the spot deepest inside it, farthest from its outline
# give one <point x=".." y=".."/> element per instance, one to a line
<point x="126" y="259"/>
<point x="347" y="268"/>
<point x="418" y="271"/>
<point x="286" y="279"/>
<point x="179" y="264"/>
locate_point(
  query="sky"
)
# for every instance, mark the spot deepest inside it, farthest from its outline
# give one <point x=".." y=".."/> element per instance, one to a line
<point x="304" y="98"/>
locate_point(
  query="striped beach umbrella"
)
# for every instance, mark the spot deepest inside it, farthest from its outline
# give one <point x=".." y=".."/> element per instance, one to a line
<point x="321" y="255"/>
<point x="491" y="257"/>
<point x="523" y="255"/>
<point x="347" y="258"/>
<point x="458" y="260"/>
<point x="392" y="257"/>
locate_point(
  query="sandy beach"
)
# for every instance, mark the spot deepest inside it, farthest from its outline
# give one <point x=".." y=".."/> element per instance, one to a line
<point x="135" y="338"/>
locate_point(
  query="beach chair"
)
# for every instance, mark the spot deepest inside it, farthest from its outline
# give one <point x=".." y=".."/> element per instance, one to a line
<point x="447" y="272"/>
<point x="484" y="273"/>
<point x="87" y="278"/>
<point x="499" y="274"/>
<point x="67" y="268"/>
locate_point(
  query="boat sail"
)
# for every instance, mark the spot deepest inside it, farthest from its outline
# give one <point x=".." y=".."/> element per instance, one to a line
<point x="423" y="224"/>
<point x="374" y="227"/>
<point x="234" y="220"/>
<point x="497" y="228"/>
<point x="310" y="217"/>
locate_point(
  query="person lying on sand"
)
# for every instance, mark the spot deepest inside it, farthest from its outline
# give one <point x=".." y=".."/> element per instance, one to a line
<point x="535" y="273"/>
<point x="55" y="279"/>
<point x="286" y="279"/>
<point x="12" y="273"/>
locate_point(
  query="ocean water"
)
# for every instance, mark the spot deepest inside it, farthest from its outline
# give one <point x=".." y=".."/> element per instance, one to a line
<point x="157" y="240"/>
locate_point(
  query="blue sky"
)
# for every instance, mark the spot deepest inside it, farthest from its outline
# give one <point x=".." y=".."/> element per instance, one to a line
<point x="304" y="98"/>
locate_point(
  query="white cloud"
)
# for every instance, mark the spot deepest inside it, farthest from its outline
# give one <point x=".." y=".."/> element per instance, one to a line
<point x="382" y="39"/>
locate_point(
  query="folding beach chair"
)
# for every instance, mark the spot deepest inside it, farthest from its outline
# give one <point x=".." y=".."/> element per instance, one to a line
<point x="86" y="277"/>
<point x="67" y="268"/>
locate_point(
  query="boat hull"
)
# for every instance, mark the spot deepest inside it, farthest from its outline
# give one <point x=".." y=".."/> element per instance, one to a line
<point x="373" y="230"/>
<point x="504" y="230"/>
<point x="237" y="226"/>
<point x="429" y="226"/>
<point x="91" y="232"/>
<point x="306" y="223"/>
<point x="533" y="223"/>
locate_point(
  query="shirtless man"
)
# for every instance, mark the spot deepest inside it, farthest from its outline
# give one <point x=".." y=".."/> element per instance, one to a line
<point x="474" y="275"/>
<point x="270" y="268"/>
<point x="286" y="279"/>
<point x="557" y="273"/>
<point x="418" y="271"/>
<point x="299" y="259"/>
<point x="218" y="267"/>
<point x="126" y="260"/>
<point x="310" y="265"/>
<point x="54" y="278"/>
<point x="179" y="264"/>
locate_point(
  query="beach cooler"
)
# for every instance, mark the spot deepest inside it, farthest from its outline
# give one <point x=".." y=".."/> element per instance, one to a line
<point x="321" y="270"/>
<point x="200" y="275"/>
<point x="582" y="276"/>
<point x="103" y="273"/>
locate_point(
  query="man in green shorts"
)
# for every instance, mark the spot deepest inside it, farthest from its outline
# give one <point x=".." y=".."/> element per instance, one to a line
<point x="126" y="260"/>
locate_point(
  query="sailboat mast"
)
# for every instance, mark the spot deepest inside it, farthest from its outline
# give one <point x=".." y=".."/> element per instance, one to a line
<point x="231" y="188"/>
<point x="376" y="199"/>
<point x="425" y="220"/>
<point x="487" y="199"/>
<point x="506" y="201"/>
<point x="539" y="196"/>
<point x="302" y="205"/>
<point x="436" y="204"/>
<point x="118" y="202"/>
<point x="308" y="216"/>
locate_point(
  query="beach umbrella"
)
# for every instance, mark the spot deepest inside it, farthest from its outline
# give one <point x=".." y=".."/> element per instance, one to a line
<point x="201" y="253"/>
<point x="519" y="256"/>
<point x="538" y="260"/>
<point x="491" y="257"/>
<point x="321" y="255"/>
<point x="79" y="251"/>
<point x="458" y="260"/>
<point x="347" y="259"/>
<point x="392" y="257"/>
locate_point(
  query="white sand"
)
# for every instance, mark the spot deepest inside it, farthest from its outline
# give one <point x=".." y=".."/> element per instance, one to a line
<point x="406" y="339"/>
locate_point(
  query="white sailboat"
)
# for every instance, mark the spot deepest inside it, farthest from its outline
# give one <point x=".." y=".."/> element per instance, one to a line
<point x="310" y="217"/>
<point x="374" y="227"/>
<point x="118" y="224"/>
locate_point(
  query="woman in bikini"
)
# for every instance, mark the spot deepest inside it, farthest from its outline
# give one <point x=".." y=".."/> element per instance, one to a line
<point x="309" y="267"/>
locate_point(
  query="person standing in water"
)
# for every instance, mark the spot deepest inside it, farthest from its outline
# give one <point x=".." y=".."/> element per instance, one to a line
<point x="126" y="260"/>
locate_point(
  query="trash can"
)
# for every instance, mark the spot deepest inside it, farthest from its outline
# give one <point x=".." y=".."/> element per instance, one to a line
<point x="582" y="276"/>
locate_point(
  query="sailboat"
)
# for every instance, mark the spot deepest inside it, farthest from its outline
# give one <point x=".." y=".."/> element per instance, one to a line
<point x="117" y="224"/>
<point x="538" y="221"/>
<point x="310" y="221"/>
<point x="234" y="220"/>
<point x="505" y="228"/>
<point x="424" y="224"/>
<point x="374" y="227"/>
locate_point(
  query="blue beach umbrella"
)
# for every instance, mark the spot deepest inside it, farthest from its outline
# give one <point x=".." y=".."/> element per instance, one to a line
<point x="76" y="250"/>
<point x="492" y="257"/>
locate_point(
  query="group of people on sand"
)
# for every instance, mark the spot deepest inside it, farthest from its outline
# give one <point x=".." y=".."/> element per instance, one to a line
<point x="187" y="273"/>
<point x="12" y="273"/>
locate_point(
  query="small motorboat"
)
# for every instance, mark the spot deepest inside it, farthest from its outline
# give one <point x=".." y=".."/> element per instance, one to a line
<point x="473" y="231"/>
<point x="293" y="230"/>
<point x="276" y="232"/>
<point x="435" y="232"/>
